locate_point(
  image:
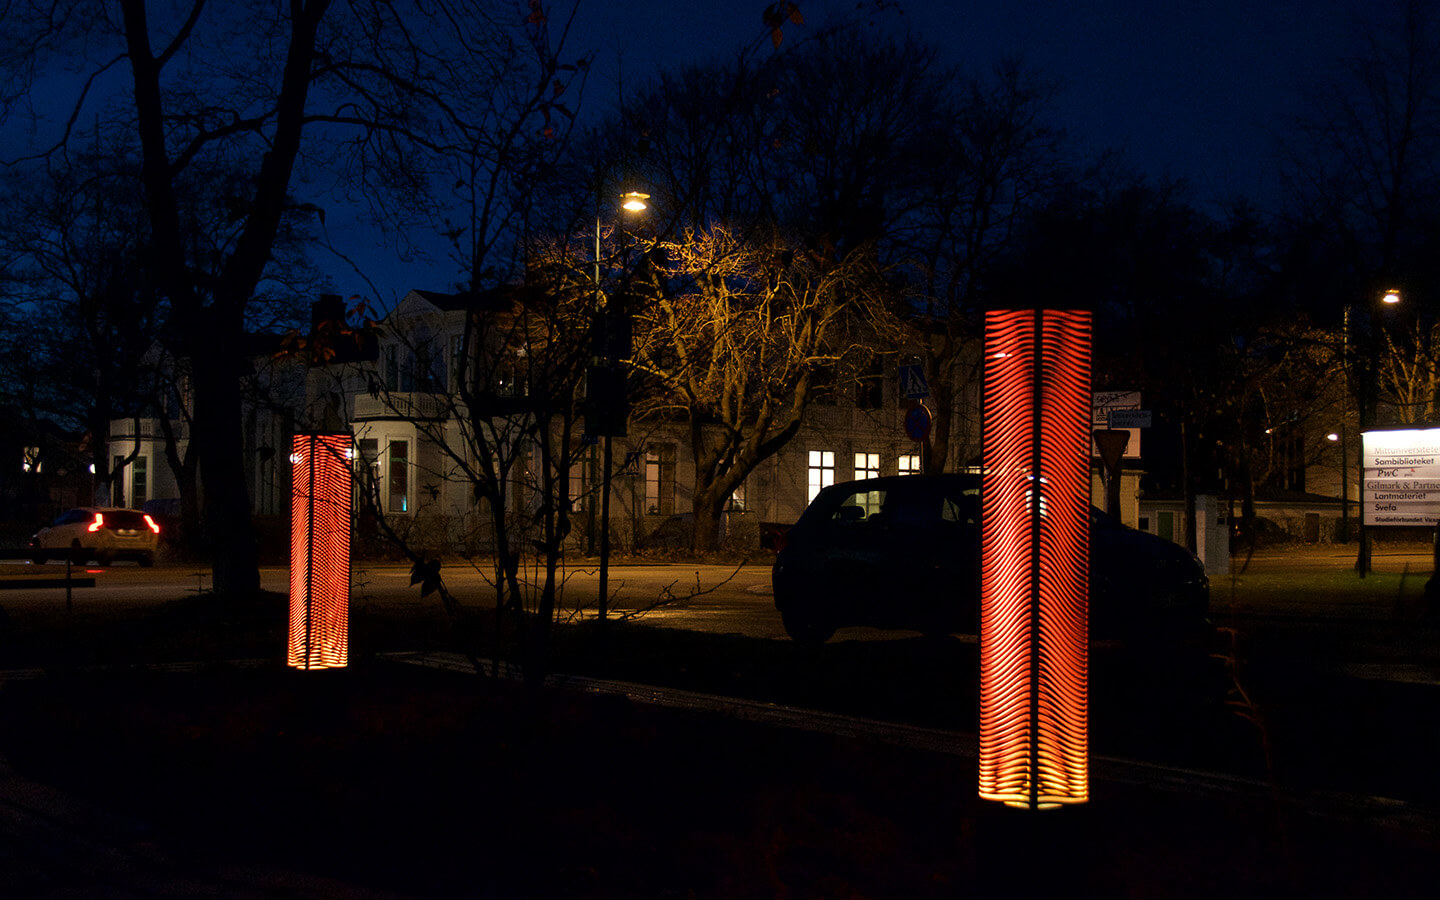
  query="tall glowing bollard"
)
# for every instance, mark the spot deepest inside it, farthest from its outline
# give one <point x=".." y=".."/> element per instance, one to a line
<point x="1034" y="583"/>
<point x="319" y="551"/>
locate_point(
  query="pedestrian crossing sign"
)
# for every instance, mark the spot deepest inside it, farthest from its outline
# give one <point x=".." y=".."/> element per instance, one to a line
<point x="913" y="385"/>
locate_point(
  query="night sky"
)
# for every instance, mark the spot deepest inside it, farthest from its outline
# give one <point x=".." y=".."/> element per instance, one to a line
<point x="1196" y="90"/>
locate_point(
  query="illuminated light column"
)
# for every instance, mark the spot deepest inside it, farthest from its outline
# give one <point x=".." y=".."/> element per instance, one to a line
<point x="319" y="551"/>
<point x="1034" y="583"/>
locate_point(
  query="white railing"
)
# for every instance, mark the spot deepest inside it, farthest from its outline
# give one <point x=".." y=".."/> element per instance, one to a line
<point x="130" y="429"/>
<point x="401" y="406"/>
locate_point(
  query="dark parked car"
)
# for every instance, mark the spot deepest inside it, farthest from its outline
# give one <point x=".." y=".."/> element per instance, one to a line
<point x="904" y="552"/>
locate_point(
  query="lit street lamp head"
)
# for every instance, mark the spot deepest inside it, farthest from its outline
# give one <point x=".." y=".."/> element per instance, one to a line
<point x="634" y="201"/>
<point x="1391" y="296"/>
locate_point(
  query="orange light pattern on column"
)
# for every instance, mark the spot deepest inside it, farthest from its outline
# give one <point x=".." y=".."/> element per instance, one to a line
<point x="1034" y="583"/>
<point x="319" y="551"/>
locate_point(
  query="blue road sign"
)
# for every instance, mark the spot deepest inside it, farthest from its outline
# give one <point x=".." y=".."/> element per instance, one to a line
<point x="917" y="422"/>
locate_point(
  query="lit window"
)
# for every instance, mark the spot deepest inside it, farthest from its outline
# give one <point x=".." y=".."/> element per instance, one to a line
<point x="32" y="459"/>
<point x="737" y="499"/>
<point x="908" y="464"/>
<point x="579" y="481"/>
<point x="867" y="465"/>
<point x="821" y="471"/>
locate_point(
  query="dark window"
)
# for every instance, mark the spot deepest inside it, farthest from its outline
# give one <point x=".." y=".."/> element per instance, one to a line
<point x="869" y="390"/>
<point x="140" y="481"/>
<point x="399" y="477"/>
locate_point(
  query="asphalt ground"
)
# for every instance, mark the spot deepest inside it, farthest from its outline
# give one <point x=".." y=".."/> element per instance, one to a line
<point x="202" y="781"/>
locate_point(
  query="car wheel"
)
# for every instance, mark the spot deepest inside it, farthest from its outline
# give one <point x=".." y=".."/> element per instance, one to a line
<point x="102" y="559"/>
<point x="806" y="628"/>
<point x="147" y="560"/>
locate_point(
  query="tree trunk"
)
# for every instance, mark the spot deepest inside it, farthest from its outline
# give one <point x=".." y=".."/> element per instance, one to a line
<point x="707" y="525"/>
<point x="220" y="439"/>
<point x="937" y="446"/>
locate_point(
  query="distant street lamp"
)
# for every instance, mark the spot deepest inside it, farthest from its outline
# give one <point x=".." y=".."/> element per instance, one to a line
<point x="612" y="324"/>
<point x="1339" y="437"/>
<point x="1367" y="400"/>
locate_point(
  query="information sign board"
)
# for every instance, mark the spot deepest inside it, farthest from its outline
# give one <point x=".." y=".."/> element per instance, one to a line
<point x="1401" y="470"/>
<point x="1130" y="418"/>
<point x="1102" y="405"/>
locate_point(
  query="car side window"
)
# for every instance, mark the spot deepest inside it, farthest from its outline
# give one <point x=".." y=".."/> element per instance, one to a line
<point x="858" y="509"/>
<point x="963" y="509"/>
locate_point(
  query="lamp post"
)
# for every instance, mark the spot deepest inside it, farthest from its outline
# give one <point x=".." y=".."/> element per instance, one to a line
<point x="1367" y="401"/>
<point x="612" y="325"/>
<point x="1339" y="437"/>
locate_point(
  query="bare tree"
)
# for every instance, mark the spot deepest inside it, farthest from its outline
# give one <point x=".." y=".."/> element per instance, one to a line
<point x="857" y="142"/>
<point x="83" y="294"/>
<point x="1364" y="190"/>
<point x="365" y="89"/>
<point x="737" y="339"/>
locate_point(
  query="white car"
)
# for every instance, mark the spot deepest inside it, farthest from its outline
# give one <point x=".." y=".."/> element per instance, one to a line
<point x="101" y="533"/>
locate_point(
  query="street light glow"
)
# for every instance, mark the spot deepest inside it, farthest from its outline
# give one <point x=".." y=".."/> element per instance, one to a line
<point x="634" y="201"/>
<point x="1391" y="296"/>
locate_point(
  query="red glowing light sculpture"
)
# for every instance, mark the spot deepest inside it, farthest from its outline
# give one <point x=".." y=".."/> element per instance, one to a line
<point x="1035" y="533"/>
<point x="319" y="551"/>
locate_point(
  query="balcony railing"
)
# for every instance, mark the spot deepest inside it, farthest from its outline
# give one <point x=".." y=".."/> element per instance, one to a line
<point x="402" y="405"/>
<point x="130" y="429"/>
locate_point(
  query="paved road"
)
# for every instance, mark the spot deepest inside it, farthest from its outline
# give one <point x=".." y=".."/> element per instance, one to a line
<point x="1412" y="558"/>
<point x="726" y="599"/>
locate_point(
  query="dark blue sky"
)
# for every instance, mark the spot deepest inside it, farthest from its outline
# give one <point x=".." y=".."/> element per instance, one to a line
<point x="1200" y="90"/>
<point x="1197" y="89"/>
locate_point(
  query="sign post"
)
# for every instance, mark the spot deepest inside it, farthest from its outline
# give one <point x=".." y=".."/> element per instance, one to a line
<point x="1112" y="448"/>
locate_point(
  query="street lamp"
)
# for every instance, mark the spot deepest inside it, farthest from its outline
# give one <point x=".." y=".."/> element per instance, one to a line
<point x="1367" y="402"/>
<point x="613" y="332"/>
<point x="1339" y="437"/>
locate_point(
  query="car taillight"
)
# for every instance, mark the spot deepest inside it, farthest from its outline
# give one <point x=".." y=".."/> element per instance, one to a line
<point x="151" y="522"/>
<point x="98" y="523"/>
